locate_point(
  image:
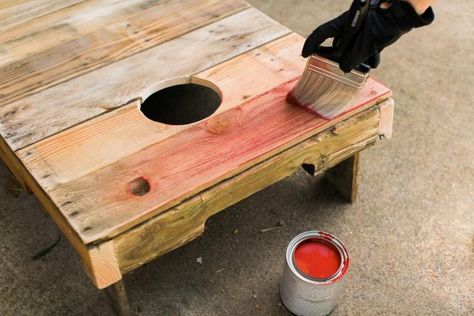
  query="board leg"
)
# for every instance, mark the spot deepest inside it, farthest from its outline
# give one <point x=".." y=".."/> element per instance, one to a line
<point x="345" y="177"/>
<point x="116" y="297"/>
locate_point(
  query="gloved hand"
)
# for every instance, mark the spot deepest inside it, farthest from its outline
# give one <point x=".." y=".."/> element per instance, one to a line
<point x="382" y="28"/>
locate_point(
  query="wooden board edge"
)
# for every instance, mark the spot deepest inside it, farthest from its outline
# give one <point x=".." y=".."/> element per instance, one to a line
<point x="13" y="163"/>
<point x="273" y="20"/>
<point x="103" y="268"/>
<point x="184" y="222"/>
<point x="345" y="177"/>
<point x="386" y="118"/>
<point x="99" y="262"/>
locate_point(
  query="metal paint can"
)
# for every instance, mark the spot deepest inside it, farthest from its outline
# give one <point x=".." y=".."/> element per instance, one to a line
<point x="305" y="293"/>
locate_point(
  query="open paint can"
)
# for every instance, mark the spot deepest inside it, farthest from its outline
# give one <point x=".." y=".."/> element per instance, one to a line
<point x="313" y="277"/>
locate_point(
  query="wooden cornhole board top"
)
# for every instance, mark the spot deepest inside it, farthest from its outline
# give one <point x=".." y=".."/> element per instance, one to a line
<point x="74" y="73"/>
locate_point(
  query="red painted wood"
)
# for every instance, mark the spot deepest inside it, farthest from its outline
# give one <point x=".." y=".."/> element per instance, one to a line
<point x="192" y="160"/>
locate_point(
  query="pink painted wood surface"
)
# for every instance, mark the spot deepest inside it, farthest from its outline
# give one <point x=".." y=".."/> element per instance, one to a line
<point x="101" y="205"/>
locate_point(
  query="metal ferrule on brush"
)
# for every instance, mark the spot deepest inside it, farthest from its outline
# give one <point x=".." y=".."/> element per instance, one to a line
<point x="331" y="69"/>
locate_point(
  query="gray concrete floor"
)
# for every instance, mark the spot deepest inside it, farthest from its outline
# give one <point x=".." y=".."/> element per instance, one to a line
<point x="410" y="235"/>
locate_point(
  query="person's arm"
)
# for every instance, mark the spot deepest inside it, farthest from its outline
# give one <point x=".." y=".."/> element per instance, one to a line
<point x="385" y="23"/>
<point x="420" y="6"/>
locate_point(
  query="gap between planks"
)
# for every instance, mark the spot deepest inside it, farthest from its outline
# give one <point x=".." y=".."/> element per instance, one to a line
<point x="19" y="13"/>
<point x="118" y="83"/>
<point x="118" y="134"/>
<point x="107" y="42"/>
<point x="136" y="102"/>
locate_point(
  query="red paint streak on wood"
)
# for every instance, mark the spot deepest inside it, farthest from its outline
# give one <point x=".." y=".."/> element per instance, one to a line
<point x="193" y="160"/>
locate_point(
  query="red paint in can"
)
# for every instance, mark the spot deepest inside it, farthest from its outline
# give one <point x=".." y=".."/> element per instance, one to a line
<point x="317" y="258"/>
<point x="313" y="278"/>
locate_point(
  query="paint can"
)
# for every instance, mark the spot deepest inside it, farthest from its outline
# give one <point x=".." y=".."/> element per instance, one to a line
<point x="314" y="274"/>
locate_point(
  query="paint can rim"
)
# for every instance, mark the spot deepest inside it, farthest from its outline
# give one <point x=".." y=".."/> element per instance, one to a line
<point x="326" y="237"/>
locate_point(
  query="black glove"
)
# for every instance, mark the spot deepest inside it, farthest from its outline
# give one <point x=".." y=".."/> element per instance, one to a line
<point x="381" y="28"/>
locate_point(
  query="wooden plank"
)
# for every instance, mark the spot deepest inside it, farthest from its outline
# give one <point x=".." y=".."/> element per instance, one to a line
<point x="100" y="205"/>
<point x="102" y="265"/>
<point x="116" y="296"/>
<point x="186" y="221"/>
<point x="62" y="26"/>
<point x="36" y="117"/>
<point x="13" y="163"/>
<point x="66" y="156"/>
<point x="14" y="12"/>
<point x="345" y="177"/>
<point x="99" y="262"/>
<point x="386" y="118"/>
<point x="94" y="34"/>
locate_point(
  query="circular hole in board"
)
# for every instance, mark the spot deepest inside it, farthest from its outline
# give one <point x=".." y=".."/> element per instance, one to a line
<point x="182" y="104"/>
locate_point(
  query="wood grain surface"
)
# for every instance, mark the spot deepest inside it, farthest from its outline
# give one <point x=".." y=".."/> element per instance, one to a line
<point x="185" y="222"/>
<point x="33" y="118"/>
<point x="100" y="205"/>
<point x="345" y="177"/>
<point x="14" y="12"/>
<point x="73" y="41"/>
<point x="118" y="134"/>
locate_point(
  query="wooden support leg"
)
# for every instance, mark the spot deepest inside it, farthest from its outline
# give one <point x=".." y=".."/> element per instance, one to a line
<point x="344" y="177"/>
<point x="117" y="298"/>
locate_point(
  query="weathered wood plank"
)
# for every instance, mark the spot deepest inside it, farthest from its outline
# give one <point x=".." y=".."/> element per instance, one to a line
<point x="60" y="27"/>
<point x="386" y="118"/>
<point x="345" y="177"/>
<point x="187" y="162"/>
<point x="36" y="117"/>
<point x="186" y="221"/>
<point x="94" y="34"/>
<point x="102" y="265"/>
<point x="116" y="135"/>
<point x="14" y="12"/>
<point x="116" y="296"/>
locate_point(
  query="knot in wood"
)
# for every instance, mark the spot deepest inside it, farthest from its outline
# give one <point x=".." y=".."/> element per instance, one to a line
<point x="223" y="123"/>
<point x="139" y="186"/>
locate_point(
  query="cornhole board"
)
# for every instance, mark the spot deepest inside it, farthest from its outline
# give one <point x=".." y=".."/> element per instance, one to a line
<point x="124" y="189"/>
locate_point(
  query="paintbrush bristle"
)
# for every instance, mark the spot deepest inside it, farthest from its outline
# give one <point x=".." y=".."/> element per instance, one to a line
<point x="324" y="89"/>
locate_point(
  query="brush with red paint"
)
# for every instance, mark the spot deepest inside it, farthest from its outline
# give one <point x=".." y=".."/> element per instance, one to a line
<point x="324" y="89"/>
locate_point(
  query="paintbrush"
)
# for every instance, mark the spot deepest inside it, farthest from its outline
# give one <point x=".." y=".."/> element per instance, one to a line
<point x="323" y="88"/>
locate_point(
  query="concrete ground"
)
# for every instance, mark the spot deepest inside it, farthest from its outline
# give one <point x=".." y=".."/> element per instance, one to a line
<point x="410" y="235"/>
